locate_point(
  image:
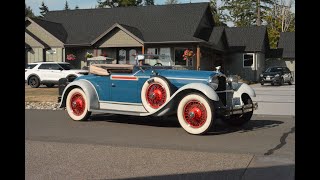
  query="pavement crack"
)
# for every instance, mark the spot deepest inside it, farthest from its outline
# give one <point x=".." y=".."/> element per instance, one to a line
<point x="282" y="142"/>
<point x="244" y="172"/>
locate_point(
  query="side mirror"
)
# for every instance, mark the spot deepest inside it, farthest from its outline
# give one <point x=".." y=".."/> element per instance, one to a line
<point x="60" y="68"/>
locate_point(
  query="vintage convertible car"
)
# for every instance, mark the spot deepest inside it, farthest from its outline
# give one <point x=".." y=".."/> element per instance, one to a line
<point x="198" y="98"/>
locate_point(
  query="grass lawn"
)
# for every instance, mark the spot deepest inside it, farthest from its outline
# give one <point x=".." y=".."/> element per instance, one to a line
<point x="41" y="94"/>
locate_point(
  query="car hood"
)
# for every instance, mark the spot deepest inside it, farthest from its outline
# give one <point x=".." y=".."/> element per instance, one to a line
<point x="270" y="73"/>
<point x="192" y="74"/>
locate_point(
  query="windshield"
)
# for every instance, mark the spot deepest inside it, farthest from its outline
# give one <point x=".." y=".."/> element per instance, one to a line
<point x="66" y="66"/>
<point x="274" y="69"/>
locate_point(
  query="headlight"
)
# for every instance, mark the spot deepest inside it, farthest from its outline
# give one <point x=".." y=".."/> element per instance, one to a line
<point x="214" y="82"/>
<point x="277" y="75"/>
<point x="261" y="75"/>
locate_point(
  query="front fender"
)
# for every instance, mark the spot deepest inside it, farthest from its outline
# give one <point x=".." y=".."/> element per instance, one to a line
<point x="88" y="89"/>
<point x="245" y="88"/>
<point x="205" y="89"/>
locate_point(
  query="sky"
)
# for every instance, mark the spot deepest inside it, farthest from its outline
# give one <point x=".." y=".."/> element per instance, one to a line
<point x="83" y="4"/>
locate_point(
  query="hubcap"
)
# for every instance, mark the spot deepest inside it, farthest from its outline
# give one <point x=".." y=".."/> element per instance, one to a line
<point x="156" y="95"/>
<point x="195" y="113"/>
<point x="77" y="104"/>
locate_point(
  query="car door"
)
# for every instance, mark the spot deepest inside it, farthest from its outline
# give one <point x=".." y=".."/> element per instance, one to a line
<point x="123" y="88"/>
<point x="43" y="72"/>
<point x="56" y="72"/>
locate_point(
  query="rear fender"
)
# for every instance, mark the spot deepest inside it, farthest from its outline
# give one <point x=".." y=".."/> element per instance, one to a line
<point x="88" y="89"/>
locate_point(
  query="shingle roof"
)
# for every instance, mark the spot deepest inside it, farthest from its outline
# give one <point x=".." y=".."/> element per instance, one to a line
<point x="56" y="29"/>
<point x="287" y="44"/>
<point x="247" y="39"/>
<point x="153" y="23"/>
<point x="217" y="36"/>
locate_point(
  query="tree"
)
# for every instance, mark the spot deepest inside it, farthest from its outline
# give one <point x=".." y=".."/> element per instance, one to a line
<point x="66" y="6"/>
<point x="28" y="11"/>
<point x="280" y="19"/>
<point x="172" y="2"/>
<point x="118" y="3"/>
<point x="77" y="7"/>
<point x="149" y="2"/>
<point x="43" y="9"/>
<point x="245" y="12"/>
<point x="217" y="14"/>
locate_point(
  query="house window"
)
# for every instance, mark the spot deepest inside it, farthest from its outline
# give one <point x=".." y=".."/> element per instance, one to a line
<point x="165" y="56"/>
<point x="178" y="59"/>
<point x="248" y="60"/>
<point x="152" y="51"/>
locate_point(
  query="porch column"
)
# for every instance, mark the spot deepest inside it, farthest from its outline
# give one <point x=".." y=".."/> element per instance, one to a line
<point x="63" y="55"/>
<point x="198" y="58"/>
<point x="142" y="50"/>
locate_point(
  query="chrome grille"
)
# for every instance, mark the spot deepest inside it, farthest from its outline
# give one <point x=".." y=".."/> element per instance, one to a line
<point x="222" y="87"/>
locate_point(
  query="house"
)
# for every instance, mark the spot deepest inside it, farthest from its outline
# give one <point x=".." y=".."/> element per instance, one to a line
<point x="284" y="54"/>
<point x="248" y="48"/>
<point x="120" y="33"/>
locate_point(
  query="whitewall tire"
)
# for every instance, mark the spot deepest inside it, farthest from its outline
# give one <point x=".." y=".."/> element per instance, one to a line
<point x="77" y="105"/>
<point x="155" y="93"/>
<point x="195" y="113"/>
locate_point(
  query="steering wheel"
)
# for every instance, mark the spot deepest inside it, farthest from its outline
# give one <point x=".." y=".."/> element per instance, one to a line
<point x="157" y="64"/>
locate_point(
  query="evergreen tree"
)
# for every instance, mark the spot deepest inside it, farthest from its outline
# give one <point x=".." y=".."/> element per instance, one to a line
<point x="66" y="6"/>
<point x="43" y="9"/>
<point x="217" y="14"/>
<point x="244" y="12"/>
<point x="118" y="3"/>
<point x="28" y="11"/>
<point x="172" y="2"/>
<point x="149" y="2"/>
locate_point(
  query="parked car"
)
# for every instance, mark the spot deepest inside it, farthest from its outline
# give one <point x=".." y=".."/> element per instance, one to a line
<point x="276" y="75"/>
<point x="49" y="73"/>
<point x="198" y="98"/>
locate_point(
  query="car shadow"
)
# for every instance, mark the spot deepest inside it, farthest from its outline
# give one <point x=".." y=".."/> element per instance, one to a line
<point x="252" y="125"/>
<point x="172" y="122"/>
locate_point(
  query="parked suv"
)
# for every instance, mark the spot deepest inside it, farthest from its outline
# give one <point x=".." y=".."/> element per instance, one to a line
<point x="49" y="73"/>
<point x="276" y="75"/>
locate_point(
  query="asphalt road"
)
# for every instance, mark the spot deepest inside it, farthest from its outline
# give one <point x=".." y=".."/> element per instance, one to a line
<point x="275" y="100"/>
<point x="122" y="147"/>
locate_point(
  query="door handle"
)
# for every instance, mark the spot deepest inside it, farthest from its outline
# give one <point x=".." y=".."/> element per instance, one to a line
<point x="113" y="85"/>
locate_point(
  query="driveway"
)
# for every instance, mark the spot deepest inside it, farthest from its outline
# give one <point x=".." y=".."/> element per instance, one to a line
<point x="127" y="147"/>
<point x="275" y="100"/>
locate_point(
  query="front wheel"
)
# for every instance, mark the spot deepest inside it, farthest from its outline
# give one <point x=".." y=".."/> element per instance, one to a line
<point x="241" y="119"/>
<point x="50" y="85"/>
<point x="195" y="113"/>
<point x="290" y="82"/>
<point x="77" y="105"/>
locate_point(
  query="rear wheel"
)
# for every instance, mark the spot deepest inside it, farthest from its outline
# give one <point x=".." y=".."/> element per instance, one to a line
<point x="155" y="93"/>
<point x="195" y="113"/>
<point x="34" y="82"/>
<point x="262" y="83"/>
<point x="77" y="105"/>
<point x="241" y="119"/>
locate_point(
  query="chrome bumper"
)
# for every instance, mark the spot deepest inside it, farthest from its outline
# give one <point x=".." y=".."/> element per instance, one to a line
<point x="227" y="111"/>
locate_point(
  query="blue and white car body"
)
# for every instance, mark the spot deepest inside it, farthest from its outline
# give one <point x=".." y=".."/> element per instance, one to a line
<point x="197" y="97"/>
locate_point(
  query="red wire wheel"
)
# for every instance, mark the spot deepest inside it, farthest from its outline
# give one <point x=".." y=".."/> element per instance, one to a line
<point x="156" y="95"/>
<point x="155" y="92"/>
<point x="195" y="113"/>
<point x="77" y="104"/>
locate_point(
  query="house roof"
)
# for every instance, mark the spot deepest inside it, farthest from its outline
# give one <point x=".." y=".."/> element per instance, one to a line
<point x="287" y="44"/>
<point x="56" y="29"/>
<point x="217" y="35"/>
<point x="151" y="23"/>
<point x="252" y="38"/>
